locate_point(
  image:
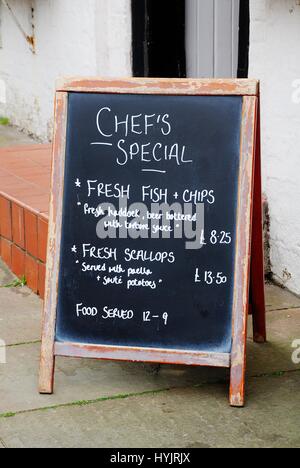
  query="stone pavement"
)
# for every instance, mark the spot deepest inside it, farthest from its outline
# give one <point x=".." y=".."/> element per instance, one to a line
<point x="111" y="404"/>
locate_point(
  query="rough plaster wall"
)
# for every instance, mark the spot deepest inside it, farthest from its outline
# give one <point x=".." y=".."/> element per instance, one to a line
<point x="274" y="58"/>
<point x="73" y="37"/>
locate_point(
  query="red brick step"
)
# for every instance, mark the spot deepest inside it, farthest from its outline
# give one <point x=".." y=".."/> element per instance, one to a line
<point x="24" y="210"/>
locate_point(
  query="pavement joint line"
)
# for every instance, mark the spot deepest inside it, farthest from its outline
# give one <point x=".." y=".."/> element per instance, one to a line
<point x="25" y="343"/>
<point x="274" y="374"/>
<point x="283" y="309"/>
<point x="82" y="403"/>
<point x="2" y="443"/>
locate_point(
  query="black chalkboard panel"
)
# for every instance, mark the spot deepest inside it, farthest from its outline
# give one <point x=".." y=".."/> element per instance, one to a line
<point x="149" y="292"/>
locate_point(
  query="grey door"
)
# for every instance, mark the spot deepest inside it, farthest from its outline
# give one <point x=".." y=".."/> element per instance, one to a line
<point x="212" y="38"/>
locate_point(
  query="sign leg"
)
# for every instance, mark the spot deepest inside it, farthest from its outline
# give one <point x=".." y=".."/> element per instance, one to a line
<point x="238" y="363"/>
<point x="47" y="367"/>
<point x="237" y="385"/>
<point x="47" y="364"/>
<point x="242" y="270"/>
<point x="257" y="299"/>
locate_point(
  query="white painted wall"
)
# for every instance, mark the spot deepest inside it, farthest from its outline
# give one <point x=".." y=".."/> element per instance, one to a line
<point x="275" y="59"/>
<point x="73" y="37"/>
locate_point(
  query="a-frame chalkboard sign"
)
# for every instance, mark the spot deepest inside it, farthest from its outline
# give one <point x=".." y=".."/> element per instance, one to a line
<point x="155" y="236"/>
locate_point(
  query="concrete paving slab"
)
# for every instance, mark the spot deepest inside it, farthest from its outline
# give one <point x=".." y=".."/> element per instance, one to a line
<point x="82" y="379"/>
<point x="19" y="325"/>
<point x="11" y="136"/>
<point x="6" y="276"/>
<point x="278" y="298"/>
<point x="86" y="379"/>
<point x="184" y="418"/>
<point x="283" y="328"/>
<point x="20" y="312"/>
<point x="76" y="380"/>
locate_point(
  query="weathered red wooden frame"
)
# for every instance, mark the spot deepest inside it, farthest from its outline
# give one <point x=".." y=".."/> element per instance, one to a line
<point x="249" y="215"/>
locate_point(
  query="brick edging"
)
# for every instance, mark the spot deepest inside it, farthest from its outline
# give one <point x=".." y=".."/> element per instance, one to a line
<point x="23" y="242"/>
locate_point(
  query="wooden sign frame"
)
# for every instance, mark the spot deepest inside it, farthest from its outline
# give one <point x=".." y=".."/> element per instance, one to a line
<point x="249" y="268"/>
